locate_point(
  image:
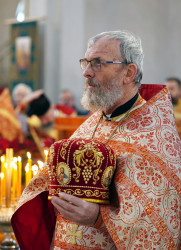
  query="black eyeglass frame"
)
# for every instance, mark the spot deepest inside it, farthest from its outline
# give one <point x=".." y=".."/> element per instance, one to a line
<point x="99" y="63"/>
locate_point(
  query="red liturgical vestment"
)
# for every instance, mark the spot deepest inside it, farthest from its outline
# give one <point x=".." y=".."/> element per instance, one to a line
<point x="145" y="209"/>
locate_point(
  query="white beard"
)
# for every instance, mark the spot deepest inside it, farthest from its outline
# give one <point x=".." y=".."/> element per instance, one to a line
<point x="102" y="99"/>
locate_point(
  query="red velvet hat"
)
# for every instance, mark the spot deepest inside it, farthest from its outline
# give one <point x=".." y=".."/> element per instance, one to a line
<point x="81" y="167"/>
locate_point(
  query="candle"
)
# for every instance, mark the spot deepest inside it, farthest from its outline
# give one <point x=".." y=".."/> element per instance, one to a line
<point x="34" y="169"/>
<point x="9" y="158"/>
<point x="29" y="165"/>
<point x="3" y="180"/>
<point x="46" y="154"/>
<point x="19" y="177"/>
<point x="14" y="182"/>
<point x="40" y="164"/>
<point x="27" y="179"/>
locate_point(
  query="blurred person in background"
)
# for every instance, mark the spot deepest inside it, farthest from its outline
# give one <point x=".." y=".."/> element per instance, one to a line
<point x="19" y="92"/>
<point x="42" y="108"/>
<point x="65" y="107"/>
<point x="39" y="113"/>
<point x="66" y="98"/>
<point x="174" y="86"/>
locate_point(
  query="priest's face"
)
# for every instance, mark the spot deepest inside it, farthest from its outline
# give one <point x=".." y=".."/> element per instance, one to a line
<point x="103" y="88"/>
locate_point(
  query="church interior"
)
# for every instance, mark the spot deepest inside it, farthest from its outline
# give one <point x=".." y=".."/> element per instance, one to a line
<point x="40" y="46"/>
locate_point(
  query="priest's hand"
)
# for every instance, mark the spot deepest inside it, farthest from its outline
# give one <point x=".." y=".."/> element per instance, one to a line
<point x="75" y="209"/>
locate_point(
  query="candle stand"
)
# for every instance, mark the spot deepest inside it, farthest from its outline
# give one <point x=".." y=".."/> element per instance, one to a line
<point x="5" y="227"/>
<point x="10" y="191"/>
<point x="8" y="203"/>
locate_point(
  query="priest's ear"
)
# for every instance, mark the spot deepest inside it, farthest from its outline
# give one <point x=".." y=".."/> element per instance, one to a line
<point x="130" y="73"/>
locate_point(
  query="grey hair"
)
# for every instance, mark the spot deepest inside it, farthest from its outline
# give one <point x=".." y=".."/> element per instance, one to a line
<point x="130" y="48"/>
<point x="19" y="87"/>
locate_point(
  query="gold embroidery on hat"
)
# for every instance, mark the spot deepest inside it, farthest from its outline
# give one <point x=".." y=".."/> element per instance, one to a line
<point x="52" y="152"/>
<point x="81" y="156"/>
<point x="63" y="150"/>
<point x="104" y="195"/>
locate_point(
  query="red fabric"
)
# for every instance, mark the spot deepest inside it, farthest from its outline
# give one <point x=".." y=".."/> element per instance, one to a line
<point x="147" y="91"/>
<point x="34" y="222"/>
<point x="94" y="159"/>
<point x="1" y="90"/>
<point x="65" y="109"/>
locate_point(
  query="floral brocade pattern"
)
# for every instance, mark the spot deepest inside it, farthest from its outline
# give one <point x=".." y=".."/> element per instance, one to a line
<point x="71" y="236"/>
<point x="147" y="182"/>
<point x="148" y="176"/>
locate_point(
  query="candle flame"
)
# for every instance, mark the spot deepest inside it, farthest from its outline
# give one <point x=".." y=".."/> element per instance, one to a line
<point x="2" y="159"/>
<point x="34" y="168"/>
<point x="15" y="159"/>
<point x="29" y="155"/>
<point x="19" y="158"/>
<point x="2" y="175"/>
<point x="14" y="165"/>
<point x="46" y="152"/>
<point x="6" y="165"/>
<point x="27" y="167"/>
<point x="40" y="163"/>
<point x="35" y="173"/>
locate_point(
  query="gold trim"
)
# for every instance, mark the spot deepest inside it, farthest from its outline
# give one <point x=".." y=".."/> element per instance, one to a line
<point x="76" y="186"/>
<point x="97" y="201"/>
<point x="80" y="192"/>
<point x="90" y="200"/>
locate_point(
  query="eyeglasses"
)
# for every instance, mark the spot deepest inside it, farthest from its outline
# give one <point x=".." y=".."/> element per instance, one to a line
<point x="96" y="64"/>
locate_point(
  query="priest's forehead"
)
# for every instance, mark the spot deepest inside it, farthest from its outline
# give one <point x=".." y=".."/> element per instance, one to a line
<point x="104" y="48"/>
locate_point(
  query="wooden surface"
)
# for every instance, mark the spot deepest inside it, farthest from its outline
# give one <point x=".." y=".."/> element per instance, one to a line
<point x="66" y="126"/>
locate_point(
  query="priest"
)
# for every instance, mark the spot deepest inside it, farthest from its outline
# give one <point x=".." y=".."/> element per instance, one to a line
<point x="145" y="202"/>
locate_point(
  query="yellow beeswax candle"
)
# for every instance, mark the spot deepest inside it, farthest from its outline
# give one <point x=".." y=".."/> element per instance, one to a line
<point x="29" y="165"/>
<point x="14" y="181"/>
<point x="19" y="177"/>
<point x="46" y="154"/>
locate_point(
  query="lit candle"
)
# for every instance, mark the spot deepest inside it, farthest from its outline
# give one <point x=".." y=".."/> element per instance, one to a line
<point x="14" y="183"/>
<point x="29" y="165"/>
<point x="40" y="164"/>
<point x="9" y="160"/>
<point x="46" y="154"/>
<point x="19" y="177"/>
<point x="34" y="169"/>
<point x="27" y="180"/>
<point x="3" y="179"/>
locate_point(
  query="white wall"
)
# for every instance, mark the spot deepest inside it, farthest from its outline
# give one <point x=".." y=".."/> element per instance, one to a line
<point x="156" y="22"/>
<point x="70" y="23"/>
